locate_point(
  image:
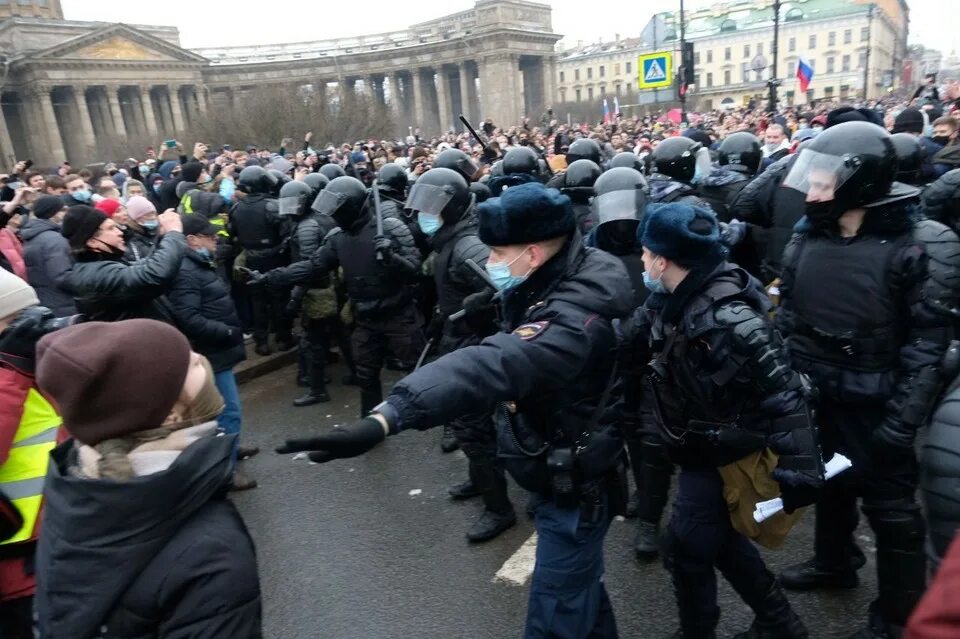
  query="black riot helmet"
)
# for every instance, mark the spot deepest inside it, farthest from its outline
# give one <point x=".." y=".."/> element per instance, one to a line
<point x="617" y="208"/>
<point x="580" y="178"/>
<point x="520" y="161"/>
<point x="847" y="166"/>
<point x="255" y="179"/>
<point x="393" y="178"/>
<point x="481" y="192"/>
<point x="457" y="160"/>
<point x="910" y="157"/>
<point x="332" y="171"/>
<point x="343" y="200"/>
<point x="295" y="199"/>
<point x="677" y="158"/>
<point x="741" y="152"/>
<point x="496" y="169"/>
<point x="583" y="149"/>
<point x="281" y="177"/>
<point x="317" y="182"/>
<point x="442" y="192"/>
<point x="627" y="159"/>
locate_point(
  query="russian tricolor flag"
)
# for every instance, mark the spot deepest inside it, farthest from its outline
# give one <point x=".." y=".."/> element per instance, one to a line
<point x="606" y="112"/>
<point x="804" y="74"/>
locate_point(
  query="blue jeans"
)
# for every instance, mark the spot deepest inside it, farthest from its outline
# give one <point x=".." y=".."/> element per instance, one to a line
<point x="231" y="417"/>
<point x="567" y="597"/>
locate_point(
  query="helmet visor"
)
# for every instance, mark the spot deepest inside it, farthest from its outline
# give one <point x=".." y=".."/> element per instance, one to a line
<point x="427" y="198"/>
<point x="327" y="202"/>
<point x="292" y="205"/>
<point x="819" y="175"/>
<point x="468" y="167"/>
<point x="618" y="205"/>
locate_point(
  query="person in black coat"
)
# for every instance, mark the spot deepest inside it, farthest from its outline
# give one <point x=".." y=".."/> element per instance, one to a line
<point x="142" y="541"/>
<point x="204" y="311"/>
<point x="47" y="255"/>
<point x="108" y="288"/>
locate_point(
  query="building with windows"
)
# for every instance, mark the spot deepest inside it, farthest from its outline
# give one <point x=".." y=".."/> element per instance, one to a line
<point x="850" y="44"/>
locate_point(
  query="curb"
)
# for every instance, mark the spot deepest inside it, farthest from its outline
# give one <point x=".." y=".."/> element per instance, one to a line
<point x="258" y="365"/>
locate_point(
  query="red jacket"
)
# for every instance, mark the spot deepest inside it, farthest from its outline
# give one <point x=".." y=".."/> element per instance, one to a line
<point x="937" y="616"/>
<point x="12" y="249"/>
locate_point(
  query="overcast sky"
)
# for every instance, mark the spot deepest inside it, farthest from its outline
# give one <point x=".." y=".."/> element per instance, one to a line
<point x="204" y="24"/>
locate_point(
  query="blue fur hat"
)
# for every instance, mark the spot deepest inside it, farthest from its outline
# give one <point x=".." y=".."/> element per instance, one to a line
<point x="523" y="214"/>
<point x="680" y="232"/>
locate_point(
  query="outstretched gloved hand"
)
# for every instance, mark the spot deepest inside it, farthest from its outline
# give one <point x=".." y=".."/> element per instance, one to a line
<point x="341" y="442"/>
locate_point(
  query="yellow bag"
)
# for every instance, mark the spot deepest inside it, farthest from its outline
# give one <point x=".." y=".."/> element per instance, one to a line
<point x="747" y="482"/>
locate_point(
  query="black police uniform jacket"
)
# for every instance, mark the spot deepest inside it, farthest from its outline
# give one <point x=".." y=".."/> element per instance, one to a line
<point x="205" y="313"/>
<point x="162" y="555"/>
<point x="548" y="367"/>
<point x="108" y="289"/>
<point x="377" y="288"/>
<point x="864" y="315"/>
<point x="720" y="385"/>
<point x="256" y="225"/>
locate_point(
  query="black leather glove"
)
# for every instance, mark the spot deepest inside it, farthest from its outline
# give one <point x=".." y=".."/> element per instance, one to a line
<point x="893" y="437"/>
<point x="795" y="497"/>
<point x="383" y="246"/>
<point x="21" y="337"/>
<point x="340" y="443"/>
<point x="435" y="328"/>
<point x="478" y="303"/>
<point x="253" y="279"/>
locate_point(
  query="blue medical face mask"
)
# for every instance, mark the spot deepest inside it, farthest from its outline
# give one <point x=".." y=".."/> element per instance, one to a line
<point x="150" y="225"/>
<point x="500" y="274"/>
<point x="655" y="285"/>
<point x="205" y="253"/>
<point x="429" y="224"/>
<point x="82" y="195"/>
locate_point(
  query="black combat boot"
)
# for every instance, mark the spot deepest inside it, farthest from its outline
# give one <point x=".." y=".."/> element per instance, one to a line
<point x="777" y="619"/>
<point x="498" y="514"/>
<point x="449" y="443"/>
<point x="468" y="489"/>
<point x="371" y="395"/>
<point x="810" y="575"/>
<point x="318" y="385"/>
<point x="646" y="543"/>
<point x="262" y="349"/>
<point x="877" y="628"/>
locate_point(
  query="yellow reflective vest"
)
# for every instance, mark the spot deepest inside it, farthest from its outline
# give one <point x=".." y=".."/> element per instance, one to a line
<point x="21" y="476"/>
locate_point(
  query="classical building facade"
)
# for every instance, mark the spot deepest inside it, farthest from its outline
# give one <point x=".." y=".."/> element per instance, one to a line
<point x="851" y="44"/>
<point x="64" y="83"/>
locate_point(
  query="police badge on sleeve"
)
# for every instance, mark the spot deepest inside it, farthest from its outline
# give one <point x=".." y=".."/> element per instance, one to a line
<point x="529" y="331"/>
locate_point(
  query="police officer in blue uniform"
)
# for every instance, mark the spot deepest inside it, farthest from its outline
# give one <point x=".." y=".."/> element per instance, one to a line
<point x="548" y="375"/>
<point x="721" y="389"/>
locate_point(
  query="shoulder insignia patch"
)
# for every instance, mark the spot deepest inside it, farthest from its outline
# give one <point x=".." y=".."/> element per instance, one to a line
<point x="530" y="331"/>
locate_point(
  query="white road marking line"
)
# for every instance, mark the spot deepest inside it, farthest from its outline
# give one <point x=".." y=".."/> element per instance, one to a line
<point x="519" y="567"/>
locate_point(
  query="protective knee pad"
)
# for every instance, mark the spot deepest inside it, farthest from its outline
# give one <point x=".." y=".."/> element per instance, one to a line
<point x="901" y="561"/>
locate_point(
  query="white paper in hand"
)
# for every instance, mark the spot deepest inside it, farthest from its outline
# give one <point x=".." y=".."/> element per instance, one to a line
<point x="767" y="509"/>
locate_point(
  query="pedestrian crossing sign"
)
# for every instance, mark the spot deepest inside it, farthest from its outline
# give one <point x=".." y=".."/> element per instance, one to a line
<point x="656" y="70"/>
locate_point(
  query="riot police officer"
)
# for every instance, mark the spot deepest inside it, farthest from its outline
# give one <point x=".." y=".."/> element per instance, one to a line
<point x="481" y="192"/>
<point x="910" y="158"/>
<point x="627" y="159"/>
<point x="457" y="160"/>
<point x="674" y="169"/>
<point x="332" y="171"/>
<point x="256" y="225"/>
<point x="619" y="204"/>
<point x="578" y="186"/>
<point x="392" y="183"/>
<point x="868" y="295"/>
<point x="519" y="166"/>
<point x="317" y="302"/>
<point x="378" y="271"/>
<point x="549" y="373"/>
<point x="444" y="207"/>
<point x="721" y="391"/>
<point x="580" y="149"/>
<point x="739" y="158"/>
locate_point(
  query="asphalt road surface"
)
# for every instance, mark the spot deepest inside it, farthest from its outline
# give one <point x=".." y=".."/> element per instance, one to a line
<point x="372" y="548"/>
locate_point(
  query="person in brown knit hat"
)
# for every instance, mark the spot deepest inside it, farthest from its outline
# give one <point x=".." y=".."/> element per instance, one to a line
<point x="137" y="498"/>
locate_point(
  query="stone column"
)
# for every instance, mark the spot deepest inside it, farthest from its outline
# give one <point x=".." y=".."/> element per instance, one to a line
<point x="7" y="152"/>
<point x="419" y="114"/>
<point x="48" y="138"/>
<point x="466" y="84"/>
<point x="146" y="104"/>
<point x="501" y="96"/>
<point x="176" y="112"/>
<point x="113" y="98"/>
<point x="444" y="110"/>
<point x="85" y="123"/>
<point x="395" y="100"/>
<point x="203" y="97"/>
<point x="549" y="80"/>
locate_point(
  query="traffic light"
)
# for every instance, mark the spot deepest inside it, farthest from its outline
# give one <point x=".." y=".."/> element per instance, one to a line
<point x="687" y="61"/>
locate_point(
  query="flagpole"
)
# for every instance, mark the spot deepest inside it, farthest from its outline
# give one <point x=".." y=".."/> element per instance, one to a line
<point x="773" y="82"/>
<point x="681" y="88"/>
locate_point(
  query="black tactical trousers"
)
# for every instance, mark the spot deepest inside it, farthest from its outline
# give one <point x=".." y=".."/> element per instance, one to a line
<point x="652" y="470"/>
<point x="268" y="304"/>
<point x="886" y="482"/>
<point x="398" y="333"/>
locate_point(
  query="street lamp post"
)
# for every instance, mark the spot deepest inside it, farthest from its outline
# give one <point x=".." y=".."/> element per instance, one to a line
<point x="866" y="66"/>
<point x="773" y="83"/>
<point x="681" y="76"/>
